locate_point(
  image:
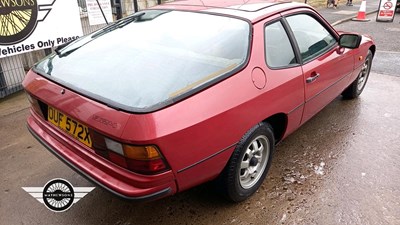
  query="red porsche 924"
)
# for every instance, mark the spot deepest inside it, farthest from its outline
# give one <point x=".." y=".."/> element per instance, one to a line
<point x="191" y="91"/>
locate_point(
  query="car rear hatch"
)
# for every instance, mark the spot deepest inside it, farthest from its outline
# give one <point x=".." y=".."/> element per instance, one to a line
<point x="86" y="135"/>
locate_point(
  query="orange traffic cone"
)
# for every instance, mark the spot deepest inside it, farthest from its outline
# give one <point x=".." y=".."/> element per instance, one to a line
<point x="361" y="13"/>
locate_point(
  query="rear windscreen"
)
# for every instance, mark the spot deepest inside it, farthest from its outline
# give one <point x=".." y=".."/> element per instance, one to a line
<point x="151" y="59"/>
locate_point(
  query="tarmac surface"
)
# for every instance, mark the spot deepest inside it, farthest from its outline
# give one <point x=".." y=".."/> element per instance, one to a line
<point x="345" y="13"/>
<point x="341" y="167"/>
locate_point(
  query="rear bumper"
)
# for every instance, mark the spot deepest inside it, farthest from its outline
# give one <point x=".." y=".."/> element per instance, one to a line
<point x="109" y="176"/>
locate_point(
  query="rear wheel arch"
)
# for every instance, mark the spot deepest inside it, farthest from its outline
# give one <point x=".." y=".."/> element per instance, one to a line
<point x="248" y="165"/>
<point x="278" y="123"/>
<point x="276" y="126"/>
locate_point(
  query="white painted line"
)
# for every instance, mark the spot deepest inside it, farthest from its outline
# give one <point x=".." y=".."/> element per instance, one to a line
<point x="345" y="12"/>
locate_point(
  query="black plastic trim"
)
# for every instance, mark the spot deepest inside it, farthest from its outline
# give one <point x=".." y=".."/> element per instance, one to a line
<point x="207" y="158"/>
<point x="292" y="43"/>
<point x="323" y="23"/>
<point x="295" y="108"/>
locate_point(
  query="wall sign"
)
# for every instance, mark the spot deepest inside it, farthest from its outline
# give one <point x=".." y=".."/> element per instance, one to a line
<point x="28" y="25"/>
<point x="387" y="9"/>
<point x="94" y="12"/>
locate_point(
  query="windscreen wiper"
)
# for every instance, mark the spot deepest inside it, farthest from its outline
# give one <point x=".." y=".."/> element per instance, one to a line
<point x="119" y="24"/>
<point x="60" y="47"/>
<point x="64" y="51"/>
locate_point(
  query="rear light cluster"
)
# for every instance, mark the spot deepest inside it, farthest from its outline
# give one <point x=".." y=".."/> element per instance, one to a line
<point x="36" y="106"/>
<point x="140" y="159"/>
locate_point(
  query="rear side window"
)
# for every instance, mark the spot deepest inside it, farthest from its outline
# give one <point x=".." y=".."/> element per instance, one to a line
<point x="147" y="62"/>
<point x="311" y="36"/>
<point x="278" y="50"/>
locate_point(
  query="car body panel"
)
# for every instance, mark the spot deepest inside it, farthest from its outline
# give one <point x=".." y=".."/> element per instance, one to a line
<point x="198" y="134"/>
<point x="332" y="80"/>
<point x="92" y="113"/>
<point x="81" y="157"/>
<point x="254" y="10"/>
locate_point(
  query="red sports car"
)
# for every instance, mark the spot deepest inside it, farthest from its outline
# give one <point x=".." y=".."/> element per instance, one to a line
<point x="191" y="91"/>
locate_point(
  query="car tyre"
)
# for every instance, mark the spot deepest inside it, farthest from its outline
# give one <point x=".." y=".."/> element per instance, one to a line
<point x="355" y="88"/>
<point x="249" y="164"/>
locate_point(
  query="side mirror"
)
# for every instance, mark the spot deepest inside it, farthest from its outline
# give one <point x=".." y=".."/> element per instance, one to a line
<point x="351" y="41"/>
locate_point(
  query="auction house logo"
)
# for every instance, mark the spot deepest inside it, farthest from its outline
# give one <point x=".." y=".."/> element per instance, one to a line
<point x="58" y="195"/>
<point x="18" y="19"/>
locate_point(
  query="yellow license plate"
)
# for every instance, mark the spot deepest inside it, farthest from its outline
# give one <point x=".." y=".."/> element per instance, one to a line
<point x="71" y="126"/>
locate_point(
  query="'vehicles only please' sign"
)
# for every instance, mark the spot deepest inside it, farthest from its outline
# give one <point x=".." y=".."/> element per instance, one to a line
<point x="28" y="25"/>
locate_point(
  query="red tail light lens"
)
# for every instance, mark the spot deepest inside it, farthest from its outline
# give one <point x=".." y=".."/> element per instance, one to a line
<point x="145" y="166"/>
<point x="117" y="159"/>
<point x="140" y="159"/>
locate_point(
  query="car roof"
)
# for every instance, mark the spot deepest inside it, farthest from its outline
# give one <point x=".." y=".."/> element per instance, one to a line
<point x="252" y="10"/>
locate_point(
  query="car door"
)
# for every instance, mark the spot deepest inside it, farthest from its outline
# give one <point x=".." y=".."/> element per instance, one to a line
<point x="325" y="65"/>
<point x="283" y="72"/>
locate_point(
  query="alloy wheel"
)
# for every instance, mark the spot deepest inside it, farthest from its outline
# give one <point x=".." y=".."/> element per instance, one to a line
<point x="254" y="161"/>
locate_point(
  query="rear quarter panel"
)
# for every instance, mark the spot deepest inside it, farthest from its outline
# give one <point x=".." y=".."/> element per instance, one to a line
<point x="198" y="135"/>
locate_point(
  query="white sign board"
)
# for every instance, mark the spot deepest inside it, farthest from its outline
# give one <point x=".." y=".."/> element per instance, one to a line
<point x="37" y="24"/>
<point x="94" y="12"/>
<point x="387" y="9"/>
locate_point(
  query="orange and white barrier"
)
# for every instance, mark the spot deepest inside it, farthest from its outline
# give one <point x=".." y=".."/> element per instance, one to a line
<point x="361" y="15"/>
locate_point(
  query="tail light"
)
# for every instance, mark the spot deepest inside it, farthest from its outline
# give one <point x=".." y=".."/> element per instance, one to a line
<point x="35" y="105"/>
<point x="141" y="159"/>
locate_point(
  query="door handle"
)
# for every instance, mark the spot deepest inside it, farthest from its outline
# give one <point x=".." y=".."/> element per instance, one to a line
<point x="313" y="78"/>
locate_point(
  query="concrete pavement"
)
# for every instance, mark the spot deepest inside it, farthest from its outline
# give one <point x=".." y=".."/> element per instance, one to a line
<point x="344" y="13"/>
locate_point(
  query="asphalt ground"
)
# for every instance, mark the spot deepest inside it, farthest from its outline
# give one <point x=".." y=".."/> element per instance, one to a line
<point x="386" y="36"/>
<point x="341" y="167"/>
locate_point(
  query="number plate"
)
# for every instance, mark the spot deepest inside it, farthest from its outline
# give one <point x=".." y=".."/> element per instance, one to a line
<point x="71" y="126"/>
